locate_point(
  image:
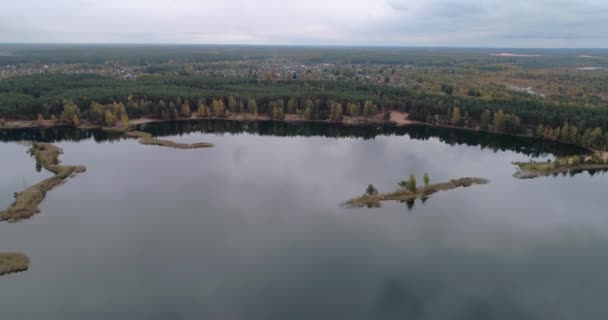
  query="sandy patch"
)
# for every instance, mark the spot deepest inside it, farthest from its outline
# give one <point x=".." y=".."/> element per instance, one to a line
<point x="401" y="118"/>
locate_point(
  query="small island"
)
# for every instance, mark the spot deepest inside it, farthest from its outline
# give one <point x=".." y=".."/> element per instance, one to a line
<point x="147" y="139"/>
<point x="13" y="263"/>
<point x="562" y="165"/>
<point x="409" y="192"/>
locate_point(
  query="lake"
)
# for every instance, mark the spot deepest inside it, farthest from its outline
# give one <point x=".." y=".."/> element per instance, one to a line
<point x="253" y="228"/>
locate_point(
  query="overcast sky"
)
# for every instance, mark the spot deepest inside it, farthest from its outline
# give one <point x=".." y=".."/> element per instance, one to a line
<point x="495" y="23"/>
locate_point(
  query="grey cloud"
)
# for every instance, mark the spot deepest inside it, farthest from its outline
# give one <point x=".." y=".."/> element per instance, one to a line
<point x="342" y="22"/>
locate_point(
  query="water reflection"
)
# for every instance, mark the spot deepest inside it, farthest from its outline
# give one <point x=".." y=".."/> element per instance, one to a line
<point x="495" y="142"/>
<point x="253" y="229"/>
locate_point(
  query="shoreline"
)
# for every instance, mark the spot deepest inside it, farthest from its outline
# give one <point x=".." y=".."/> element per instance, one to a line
<point x="398" y="119"/>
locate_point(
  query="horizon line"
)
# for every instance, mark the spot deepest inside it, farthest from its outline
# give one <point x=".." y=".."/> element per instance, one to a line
<point x="295" y="45"/>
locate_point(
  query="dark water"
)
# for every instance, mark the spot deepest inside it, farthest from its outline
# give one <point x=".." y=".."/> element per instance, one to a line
<point x="252" y="229"/>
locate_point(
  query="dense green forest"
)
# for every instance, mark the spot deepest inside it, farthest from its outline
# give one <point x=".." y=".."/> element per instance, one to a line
<point x="105" y="100"/>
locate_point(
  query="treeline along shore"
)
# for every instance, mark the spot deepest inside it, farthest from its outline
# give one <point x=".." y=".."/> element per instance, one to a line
<point x="93" y="100"/>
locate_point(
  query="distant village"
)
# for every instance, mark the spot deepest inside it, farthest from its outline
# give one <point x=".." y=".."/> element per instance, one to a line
<point x="272" y="69"/>
<point x="118" y="71"/>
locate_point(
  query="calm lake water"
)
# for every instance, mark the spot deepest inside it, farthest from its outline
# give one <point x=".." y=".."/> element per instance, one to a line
<point x="253" y="228"/>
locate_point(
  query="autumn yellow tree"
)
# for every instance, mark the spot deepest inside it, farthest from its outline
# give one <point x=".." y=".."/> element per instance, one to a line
<point x="219" y="108"/>
<point x="125" y="122"/>
<point x="109" y="118"/>
<point x="233" y="105"/>
<point x="369" y="109"/>
<point x="202" y="110"/>
<point x="411" y="183"/>
<point x="354" y="109"/>
<point x="486" y="119"/>
<point x="185" y="110"/>
<point x="455" y="116"/>
<point x="252" y="105"/>
<point x="70" y="112"/>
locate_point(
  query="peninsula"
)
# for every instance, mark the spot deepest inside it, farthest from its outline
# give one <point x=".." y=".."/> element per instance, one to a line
<point x="147" y="139"/>
<point x="27" y="201"/>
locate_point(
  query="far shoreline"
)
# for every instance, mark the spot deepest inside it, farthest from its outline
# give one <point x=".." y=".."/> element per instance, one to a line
<point x="398" y="119"/>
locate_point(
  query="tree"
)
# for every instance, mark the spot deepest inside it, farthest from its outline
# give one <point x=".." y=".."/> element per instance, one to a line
<point x="185" y="111"/>
<point x="595" y="137"/>
<point x="556" y="133"/>
<point x="125" y="122"/>
<point x="512" y="124"/>
<point x="202" y="110"/>
<point x="335" y="111"/>
<point x="2" y="122"/>
<point x="574" y="135"/>
<point x="233" y="105"/>
<point x="371" y="190"/>
<point x="387" y="116"/>
<point x="354" y="109"/>
<point x="485" y="120"/>
<point x="455" y="116"/>
<point x="292" y="106"/>
<point x="219" y="109"/>
<point x="466" y="119"/>
<point x="109" y="118"/>
<point x="118" y="108"/>
<point x="508" y="123"/>
<point x="402" y="184"/>
<point x="188" y="69"/>
<point x="70" y="110"/>
<point x="76" y="120"/>
<point x="411" y="183"/>
<point x="307" y="112"/>
<point x="498" y="118"/>
<point x="252" y="106"/>
<point x="277" y="109"/>
<point x="565" y="132"/>
<point x="40" y="120"/>
<point x="540" y="131"/>
<point x="369" y="109"/>
<point x="426" y="179"/>
<point x="53" y="119"/>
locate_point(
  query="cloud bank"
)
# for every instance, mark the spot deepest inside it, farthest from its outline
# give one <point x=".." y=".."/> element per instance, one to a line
<point x="489" y="23"/>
